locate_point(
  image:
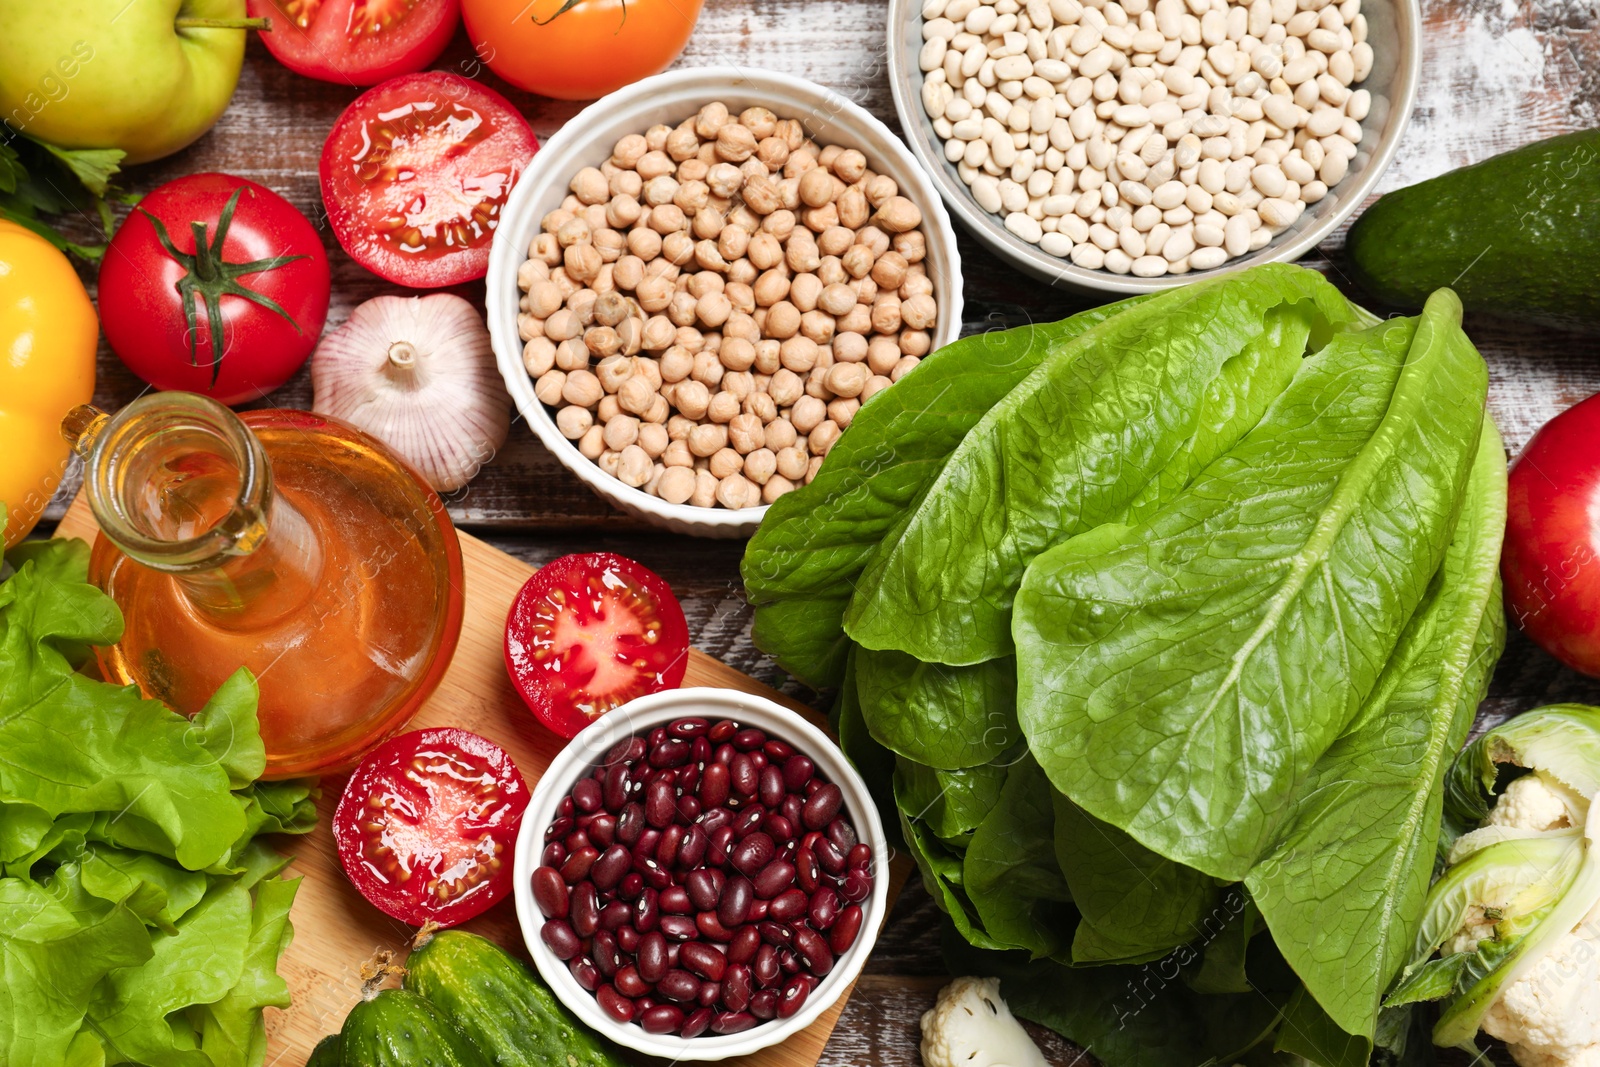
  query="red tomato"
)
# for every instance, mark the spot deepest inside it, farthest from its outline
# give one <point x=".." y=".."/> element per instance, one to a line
<point x="1551" y="559"/>
<point x="590" y="632"/>
<point x="427" y="824"/>
<point x="578" y="50"/>
<point x="356" y="42"/>
<point x="415" y="173"/>
<point x="258" y="262"/>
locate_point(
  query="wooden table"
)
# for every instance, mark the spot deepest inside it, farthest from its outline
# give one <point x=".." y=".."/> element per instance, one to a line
<point x="1496" y="74"/>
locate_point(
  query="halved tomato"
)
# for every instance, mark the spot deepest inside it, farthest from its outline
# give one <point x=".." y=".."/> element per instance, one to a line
<point x="427" y="825"/>
<point x="415" y="173"/>
<point x="356" y="42"/>
<point x="590" y="632"/>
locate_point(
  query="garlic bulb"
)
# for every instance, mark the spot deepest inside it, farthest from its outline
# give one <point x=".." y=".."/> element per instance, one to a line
<point x="418" y="374"/>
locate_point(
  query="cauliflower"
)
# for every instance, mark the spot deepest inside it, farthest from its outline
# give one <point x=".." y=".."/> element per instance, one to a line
<point x="1537" y="802"/>
<point x="1551" y="1017"/>
<point x="971" y="1026"/>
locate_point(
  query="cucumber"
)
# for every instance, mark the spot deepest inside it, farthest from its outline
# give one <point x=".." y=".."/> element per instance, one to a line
<point x="326" y="1054"/>
<point x="1516" y="235"/>
<point x="401" y="1029"/>
<point x="501" y="1005"/>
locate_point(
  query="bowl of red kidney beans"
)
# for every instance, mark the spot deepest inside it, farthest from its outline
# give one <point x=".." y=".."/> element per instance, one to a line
<point x="700" y="874"/>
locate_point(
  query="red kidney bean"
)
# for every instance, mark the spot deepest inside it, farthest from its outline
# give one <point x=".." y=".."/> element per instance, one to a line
<point x="703" y="960"/>
<point x="698" y="1022"/>
<point x="628" y="982"/>
<point x="789" y="905"/>
<point x="814" y="785"/>
<point x="584" y="914"/>
<point x="655" y="876"/>
<point x="603" y="830"/>
<point x="749" y="822"/>
<point x="717" y="847"/>
<point x="859" y="856"/>
<point x="554" y="854"/>
<point x="628" y="750"/>
<point x="732" y="1022"/>
<point x="743" y="777"/>
<point x="660" y="803"/>
<point x="671" y="753"/>
<point x="709" y="994"/>
<point x="674" y="900"/>
<point x="788" y="961"/>
<point x="845" y="929"/>
<point x="615" y="1004"/>
<point x="824" y="908"/>
<point x="631" y="886"/>
<point x="776" y="750"/>
<point x="647" y="911"/>
<point x="576" y="840"/>
<point x="790" y="809"/>
<point x="678" y="927"/>
<point x="758" y="910"/>
<point x="692" y="852"/>
<point x="765" y="967"/>
<point x="559" y="829"/>
<point x="615" y="915"/>
<point x="724" y="729"/>
<point x="829" y="856"/>
<point x="764" y="1004"/>
<point x="841" y="833"/>
<point x="615" y="790"/>
<point x="550" y="893"/>
<point x="780" y="829"/>
<point x="736" y="987"/>
<point x="775" y="933"/>
<point x="714" y="786"/>
<point x="603" y="950"/>
<point x="758" y="759"/>
<point x="661" y="1019"/>
<point x="733" y="907"/>
<point x="724" y="754"/>
<point x="773" y="879"/>
<point x="584" y="972"/>
<point x="652" y="957"/>
<point x="748" y="739"/>
<point x="579" y="864"/>
<point x="565" y="807"/>
<point x="611" y="866"/>
<point x="702" y="889"/>
<point x="822" y="806"/>
<point x="807" y="874"/>
<point x="688" y="728"/>
<point x="701" y="753"/>
<point x="753" y="853"/>
<point x="813" y="951"/>
<point x="586" y="794"/>
<point x="711" y="926"/>
<point x="689" y="804"/>
<point x="627" y="939"/>
<point x="716" y="818"/>
<point x="794" y="995"/>
<point x="558" y="935"/>
<point x="667" y="846"/>
<point x="856" y="886"/>
<point x="630" y="823"/>
<point x="745" y="944"/>
<point x="679" y="985"/>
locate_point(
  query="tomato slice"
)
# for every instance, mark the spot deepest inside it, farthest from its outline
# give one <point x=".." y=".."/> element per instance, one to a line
<point x="427" y="824"/>
<point x="590" y="632"/>
<point x="415" y="173"/>
<point x="356" y="42"/>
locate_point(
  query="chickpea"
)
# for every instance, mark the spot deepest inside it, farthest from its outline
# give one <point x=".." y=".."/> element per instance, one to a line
<point x="713" y="309"/>
<point x="692" y="398"/>
<point x="634" y="466"/>
<point x="808" y="413"/>
<point x="882" y="355"/>
<point x="773" y="152"/>
<point x="724" y="179"/>
<point x="608" y="409"/>
<point x="765" y="251"/>
<point x="706" y="438"/>
<point x="915" y="343"/>
<point x="654" y="439"/>
<point x="538" y="355"/>
<point x="614" y="372"/>
<point x="732" y="244"/>
<point x="635" y="394"/>
<point x="768" y="356"/>
<point x="906" y="365"/>
<point x="644" y="243"/>
<point x="621" y="432"/>
<point x="724" y="406"/>
<point x="705" y="490"/>
<point x="725" y="461"/>
<point x="781" y="224"/>
<point x="681" y="144"/>
<point x="681" y="309"/>
<point x="629" y="150"/>
<point x="886" y="313"/>
<point x="676" y="485"/>
<point x="783" y="321"/>
<point x="735" y="143"/>
<point x="692" y="196"/>
<point x="736" y="491"/>
<point x="853" y="208"/>
<point x="830" y="271"/>
<point x="746" y="433"/>
<point x="821" y="219"/>
<point x="693" y="169"/>
<point x="776" y="486"/>
<point x="843" y="410"/>
<point x="677" y="454"/>
<point x="837" y="299"/>
<point x="786" y="387"/>
<point x="801" y="253"/>
<point x="873" y="238"/>
<point x="708" y="369"/>
<point x="592" y="443"/>
<point x="913" y="245"/>
<point x="799" y="353"/>
<point x="760" y="465"/>
<point x="573" y="421"/>
<point x="771" y="287"/>
<point x="762" y="195"/>
<point x="736" y="354"/>
<point x="590" y="186"/>
<point x="857" y="320"/>
<point x="760" y="404"/>
<point x="742" y="298"/>
<point x="835" y="240"/>
<point x="847" y="379"/>
<point x="791" y="463"/>
<point x="875" y="385"/>
<point x="554" y="220"/>
<point x="546" y="249"/>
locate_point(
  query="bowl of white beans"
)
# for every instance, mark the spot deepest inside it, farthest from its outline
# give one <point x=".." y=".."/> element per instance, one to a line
<point x="1126" y="145"/>
<point x="701" y="278"/>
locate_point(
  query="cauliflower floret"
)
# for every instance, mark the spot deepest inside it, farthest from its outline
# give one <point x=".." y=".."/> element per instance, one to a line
<point x="970" y="1026"/>
<point x="1551" y="1017"/>
<point x="1534" y="802"/>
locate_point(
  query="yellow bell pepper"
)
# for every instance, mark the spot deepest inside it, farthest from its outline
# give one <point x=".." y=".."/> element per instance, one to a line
<point x="48" y="334"/>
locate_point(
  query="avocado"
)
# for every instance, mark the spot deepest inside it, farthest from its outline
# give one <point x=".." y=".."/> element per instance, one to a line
<point x="1517" y="235"/>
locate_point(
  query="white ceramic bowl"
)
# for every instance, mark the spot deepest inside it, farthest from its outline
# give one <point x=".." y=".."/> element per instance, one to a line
<point x="640" y="716"/>
<point x="587" y="139"/>
<point x="1395" y="33"/>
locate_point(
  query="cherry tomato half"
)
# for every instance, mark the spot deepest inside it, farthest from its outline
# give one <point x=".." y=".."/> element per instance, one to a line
<point x="427" y="825"/>
<point x="356" y="42"/>
<point x="590" y="632"/>
<point x="1551" y="558"/>
<point x="581" y="50"/>
<point x="157" y="286"/>
<point x="415" y="173"/>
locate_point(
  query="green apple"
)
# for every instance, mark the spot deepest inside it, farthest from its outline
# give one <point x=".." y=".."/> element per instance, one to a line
<point x="144" y="76"/>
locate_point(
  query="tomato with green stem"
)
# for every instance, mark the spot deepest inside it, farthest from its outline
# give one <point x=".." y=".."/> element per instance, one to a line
<point x="215" y="285"/>
<point x="590" y="632"/>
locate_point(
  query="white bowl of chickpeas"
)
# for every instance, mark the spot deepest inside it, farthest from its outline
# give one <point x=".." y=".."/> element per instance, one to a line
<point x="702" y="277"/>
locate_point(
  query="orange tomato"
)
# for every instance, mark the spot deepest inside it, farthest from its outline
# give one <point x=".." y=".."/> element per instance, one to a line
<point x="586" y="51"/>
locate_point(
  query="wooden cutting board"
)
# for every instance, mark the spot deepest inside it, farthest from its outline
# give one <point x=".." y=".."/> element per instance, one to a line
<point x="336" y="931"/>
